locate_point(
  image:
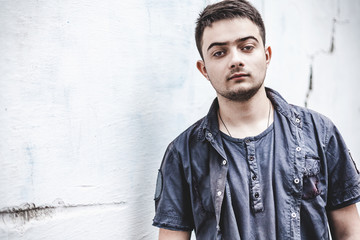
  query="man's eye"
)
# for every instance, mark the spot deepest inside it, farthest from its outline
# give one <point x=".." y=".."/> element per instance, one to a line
<point x="218" y="53"/>
<point x="248" y="48"/>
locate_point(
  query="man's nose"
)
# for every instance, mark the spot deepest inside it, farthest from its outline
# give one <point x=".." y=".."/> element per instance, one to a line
<point x="236" y="59"/>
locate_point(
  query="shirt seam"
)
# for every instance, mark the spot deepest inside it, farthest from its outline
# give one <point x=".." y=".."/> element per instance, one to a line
<point x="171" y="226"/>
<point x="349" y="195"/>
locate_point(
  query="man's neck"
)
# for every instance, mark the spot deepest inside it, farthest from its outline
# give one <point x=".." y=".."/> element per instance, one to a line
<point x="244" y="119"/>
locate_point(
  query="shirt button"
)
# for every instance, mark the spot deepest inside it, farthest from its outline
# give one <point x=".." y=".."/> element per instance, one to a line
<point x="219" y="193"/>
<point x="251" y="158"/>
<point x="254" y="177"/>
<point x="297" y="120"/>
<point x="247" y="140"/>
<point x="209" y="134"/>
<point x="298" y="149"/>
<point x="257" y="195"/>
<point x="296" y="180"/>
<point x="293" y="215"/>
<point x="224" y="162"/>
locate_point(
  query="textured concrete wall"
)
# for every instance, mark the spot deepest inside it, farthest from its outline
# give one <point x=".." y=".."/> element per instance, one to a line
<point x="91" y="93"/>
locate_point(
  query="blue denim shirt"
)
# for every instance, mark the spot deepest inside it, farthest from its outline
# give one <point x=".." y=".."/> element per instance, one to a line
<point x="314" y="173"/>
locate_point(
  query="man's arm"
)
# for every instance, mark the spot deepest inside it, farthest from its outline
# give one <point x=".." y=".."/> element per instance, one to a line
<point x="165" y="234"/>
<point x="345" y="223"/>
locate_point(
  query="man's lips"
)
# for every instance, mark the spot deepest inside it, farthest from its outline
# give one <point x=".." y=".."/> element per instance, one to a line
<point x="238" y="75"/>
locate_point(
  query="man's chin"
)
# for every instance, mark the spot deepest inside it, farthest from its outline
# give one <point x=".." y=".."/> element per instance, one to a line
<point x="241" y="95"/>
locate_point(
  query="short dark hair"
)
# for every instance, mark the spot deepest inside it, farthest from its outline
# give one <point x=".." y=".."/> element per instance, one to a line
<point x="227" y="9"/>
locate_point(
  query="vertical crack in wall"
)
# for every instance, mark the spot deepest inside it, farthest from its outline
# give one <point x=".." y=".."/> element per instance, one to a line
<point x="332" y="45"/>
<point x="328" y="52"/>
<point x="335" y="21"/>
<point x="310" y="86"/>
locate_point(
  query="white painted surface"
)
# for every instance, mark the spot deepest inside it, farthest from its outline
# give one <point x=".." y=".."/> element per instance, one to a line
<point x="91" y="93"/>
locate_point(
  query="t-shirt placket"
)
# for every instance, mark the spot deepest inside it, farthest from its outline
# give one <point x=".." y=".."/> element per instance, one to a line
<point x="255" y="187"/>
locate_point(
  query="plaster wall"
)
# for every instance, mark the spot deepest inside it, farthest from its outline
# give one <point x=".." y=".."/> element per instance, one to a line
<point x="91" y="93"/>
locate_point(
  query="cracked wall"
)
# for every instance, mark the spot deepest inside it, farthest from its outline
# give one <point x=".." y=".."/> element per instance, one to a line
<point x="315" y="57"/>
<point x="91" y="93"/>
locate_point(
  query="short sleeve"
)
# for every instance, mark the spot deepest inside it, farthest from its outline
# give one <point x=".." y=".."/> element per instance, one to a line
<point x="172" y="195"/>
<point x="344" y="178"/>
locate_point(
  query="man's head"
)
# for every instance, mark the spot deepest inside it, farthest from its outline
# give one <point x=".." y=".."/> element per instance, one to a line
<point x="228" y="9"/>
<point x="231" y="44"/>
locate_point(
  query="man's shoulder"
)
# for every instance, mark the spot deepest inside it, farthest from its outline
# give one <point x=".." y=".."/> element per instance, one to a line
<point x="295" y="112"/>
<point x="192" y="133"/>
<point x="186" y="140"/>
<point x="312" y="122"/>
<point x="309" y="115"/>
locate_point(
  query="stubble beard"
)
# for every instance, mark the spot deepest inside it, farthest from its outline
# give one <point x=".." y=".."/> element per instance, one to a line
<point x="241" y="95"/>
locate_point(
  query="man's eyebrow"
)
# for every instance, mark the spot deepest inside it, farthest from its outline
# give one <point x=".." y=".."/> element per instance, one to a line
<point x="237" y="41"/>
<point x="217" y="44"/>
<point x="246" y="38"/>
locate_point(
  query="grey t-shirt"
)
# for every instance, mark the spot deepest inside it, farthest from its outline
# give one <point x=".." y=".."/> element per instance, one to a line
<point x="251" y="205"/>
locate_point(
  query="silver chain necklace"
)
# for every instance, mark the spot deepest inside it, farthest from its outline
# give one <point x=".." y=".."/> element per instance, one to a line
<point x="268" y="121"/>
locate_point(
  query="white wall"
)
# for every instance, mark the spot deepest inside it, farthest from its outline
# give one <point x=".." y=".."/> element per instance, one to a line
<point x="91" y="93"/>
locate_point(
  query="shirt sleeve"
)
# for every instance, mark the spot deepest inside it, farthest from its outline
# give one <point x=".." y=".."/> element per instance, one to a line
<point x="172" y="196"/>
<point x="344" y="178"/>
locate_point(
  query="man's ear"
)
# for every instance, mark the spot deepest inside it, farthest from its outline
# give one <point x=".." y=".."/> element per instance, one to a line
<point x="202" y="69"/>
<point x="268" y="53"/>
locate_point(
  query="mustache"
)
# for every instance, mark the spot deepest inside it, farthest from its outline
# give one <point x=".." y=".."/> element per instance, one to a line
<point x="236" y="70"/>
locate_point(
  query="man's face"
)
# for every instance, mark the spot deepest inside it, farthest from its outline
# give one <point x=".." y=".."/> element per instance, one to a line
<point x="235" y="60"/>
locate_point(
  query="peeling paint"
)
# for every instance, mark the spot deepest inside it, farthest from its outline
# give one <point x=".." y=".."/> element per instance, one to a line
<point x="26" y="213"/>
<point x="20" y="215"/>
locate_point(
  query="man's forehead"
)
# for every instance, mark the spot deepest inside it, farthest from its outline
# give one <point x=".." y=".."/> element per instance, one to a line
<point x="229" y="30"/>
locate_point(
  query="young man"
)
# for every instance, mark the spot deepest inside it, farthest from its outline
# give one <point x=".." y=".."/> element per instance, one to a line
<point x="255" y="167"/>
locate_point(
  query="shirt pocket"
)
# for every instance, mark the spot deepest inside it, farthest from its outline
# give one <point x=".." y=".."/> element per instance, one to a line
<point x="311" y="178"/>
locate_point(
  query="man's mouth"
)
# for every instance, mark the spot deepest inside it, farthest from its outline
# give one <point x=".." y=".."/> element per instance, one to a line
<point x="238" y="76"/>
